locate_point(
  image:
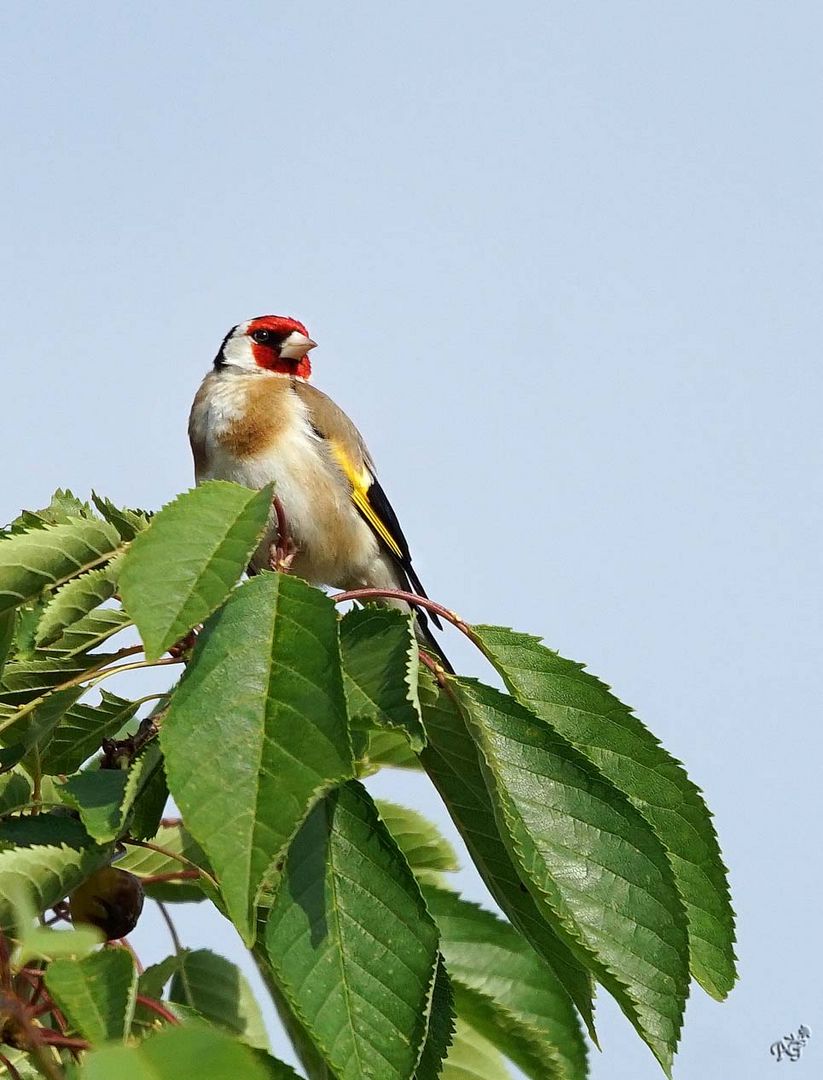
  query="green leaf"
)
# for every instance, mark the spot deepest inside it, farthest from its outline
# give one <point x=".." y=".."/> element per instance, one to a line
<point x="7" y="623"/>
<point x="441" y="1026"/>
<point x="453" y="764"/>
<point x="472" y="1057"/>
<point x="143" y="862"/>
<point x="177" y="1053"/>
<point x="24" y="731"/>
<point x="104" y="797"/>
<point x="15" y="790"/>
<point x="427" y="852"/>
<point x="96" y="994"/>
<point x="257" y="730"/>
<point x="385" y="748"/>
<point x="590" y="860"/>
<point x="527" y="1013"/>
<point x="63" y="507"/>
<point x="23" y="1063"/>
<point x="91" y="631"/>
<point x="75" y="600"/>
<point x="127" y="522"/>
<point x="36" y="942"/>
<point x="42" y="558"/>
<point x="183" y="566"/>
<point x="97" y="794"/>
<point x="581" y="708"/>
<point x="380" y="667"/>
<point x="154" y="978"/>
<point x="351" y="943"/>
<point x="82" y="731"/>
<point x="149" y="795"/>
<point x="48" y="855"/>
<point x="220" y="992"/>
<point x="25" y="681"/>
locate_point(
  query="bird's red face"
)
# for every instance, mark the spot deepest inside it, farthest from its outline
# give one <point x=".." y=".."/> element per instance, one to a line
<point x="271" y="342"/>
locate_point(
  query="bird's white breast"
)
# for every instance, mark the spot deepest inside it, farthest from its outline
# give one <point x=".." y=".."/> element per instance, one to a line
<point x="334" y="542"/>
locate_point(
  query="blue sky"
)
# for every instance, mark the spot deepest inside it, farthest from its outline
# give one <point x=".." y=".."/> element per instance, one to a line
<point x="563" y="262"/>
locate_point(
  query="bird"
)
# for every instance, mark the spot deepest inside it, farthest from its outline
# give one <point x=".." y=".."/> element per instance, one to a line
<point x="257" y="419"/>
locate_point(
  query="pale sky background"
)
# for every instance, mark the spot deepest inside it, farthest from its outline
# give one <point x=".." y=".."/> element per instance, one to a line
<point x="564" y="265"/>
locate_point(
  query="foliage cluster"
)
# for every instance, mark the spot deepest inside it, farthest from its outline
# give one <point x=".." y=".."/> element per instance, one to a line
<point x="591" y="839"/>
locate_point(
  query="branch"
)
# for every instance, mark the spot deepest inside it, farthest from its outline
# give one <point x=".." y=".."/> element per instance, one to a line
<point x="173" y="855"/>
<point x="413" y="600"/>
<point x="178" y="947"/>
<point x="156" y="1007"/>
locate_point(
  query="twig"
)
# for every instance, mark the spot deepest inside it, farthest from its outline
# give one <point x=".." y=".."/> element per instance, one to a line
<point x="53" y="1038"/>
<point x="13" y="1073"/>
<point x="108" y="672"/>
<point x="5" y="953"/>
<point x="123" y="943"/>
<point x="156" y="1007"/>
<point x="178" y="947"/>
<point x="117" y="752"/>
<point x="173" y="855"/>
<point x="433" y="666"/>
<point x="76" y="680"/>
<point x="172" y="875"/>
<point x="414" y="600"/>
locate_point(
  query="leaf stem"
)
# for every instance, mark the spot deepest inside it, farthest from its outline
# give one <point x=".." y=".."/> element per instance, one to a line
<point x="414" y="600"/>
<point x="156" y="1007"/>
<point x="178" y="946"/>
<point x="173" y="855"/>
<point x="76" y="680"/>
<point x="134" y="667"/>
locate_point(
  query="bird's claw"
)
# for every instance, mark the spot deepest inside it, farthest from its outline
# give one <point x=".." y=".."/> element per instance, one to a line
<point x="281" y="556"/>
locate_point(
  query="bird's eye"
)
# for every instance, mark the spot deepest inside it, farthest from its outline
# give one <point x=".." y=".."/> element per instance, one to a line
<point x="261" y="336"/>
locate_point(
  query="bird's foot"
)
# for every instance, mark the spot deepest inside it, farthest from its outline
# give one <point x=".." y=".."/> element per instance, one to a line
<point x="281" y="556"/>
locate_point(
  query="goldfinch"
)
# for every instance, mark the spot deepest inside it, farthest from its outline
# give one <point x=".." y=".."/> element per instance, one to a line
<point x="256" y="419"/>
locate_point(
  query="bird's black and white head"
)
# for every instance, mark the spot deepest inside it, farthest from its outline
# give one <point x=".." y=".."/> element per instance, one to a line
<point x="273" y="343"/>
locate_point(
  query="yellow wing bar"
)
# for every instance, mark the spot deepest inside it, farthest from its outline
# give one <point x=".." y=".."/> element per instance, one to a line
<point x="360" y="483"/>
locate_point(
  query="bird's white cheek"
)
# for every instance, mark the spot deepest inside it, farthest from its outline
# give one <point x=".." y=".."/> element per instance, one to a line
<point x="238" y="351"/>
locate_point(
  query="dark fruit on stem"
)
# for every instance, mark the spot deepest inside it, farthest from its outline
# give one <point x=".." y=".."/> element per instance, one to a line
<point x="110" y="899"/>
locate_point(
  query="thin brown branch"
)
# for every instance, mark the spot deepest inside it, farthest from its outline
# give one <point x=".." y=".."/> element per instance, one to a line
<point x="123" y="943"/>
<point x="414" y="600"/>
<point x="172" y="875"/>
<point x="93" y="674"/>
<point x="10" y="1069"/>
<point x="434" y="667"/>
<point x="178" y="946"/>
<point x="53" y="1038"/>
<point x="172" y="855"/>
<point x="156" y="1007"/>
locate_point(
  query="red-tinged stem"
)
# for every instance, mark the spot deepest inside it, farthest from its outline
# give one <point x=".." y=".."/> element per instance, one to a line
<point x="156" y="1007"/>
<point x="172" y="875"/>
<point x="170" y="822"/>
<point x="5" y="953"/>
<point x="122" y="943"/>
<point x="435" y="668"/>
<point x="172" y="855"/>
<point x="43" y="1008"/>
<point x="410" y="598"/>
<point x="13" y="1073"/>
<point x="52" y="1038"/>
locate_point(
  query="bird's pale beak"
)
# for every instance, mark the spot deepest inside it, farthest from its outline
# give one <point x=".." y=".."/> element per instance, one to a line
<point x="296" y="346"/>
